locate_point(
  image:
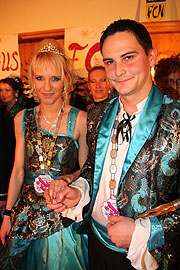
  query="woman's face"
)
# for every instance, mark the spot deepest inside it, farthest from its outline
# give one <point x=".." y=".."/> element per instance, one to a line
<point x="7" y="93"/>
<point x="98" y="85"/>
<point x="49" y="85"/>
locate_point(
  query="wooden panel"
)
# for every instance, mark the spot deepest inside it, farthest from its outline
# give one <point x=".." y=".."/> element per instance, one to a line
<point x="28" y="42"/>
<point x="165" y="37"/>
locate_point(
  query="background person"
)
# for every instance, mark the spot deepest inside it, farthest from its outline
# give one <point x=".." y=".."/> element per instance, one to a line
<point x="50" y="142"/>
<point x="80" y="97"/>
<point x="6" y="160"/>
<point x="98" y="84"/>
<point x="11" y="89"/>
<point x="167" y="75"/>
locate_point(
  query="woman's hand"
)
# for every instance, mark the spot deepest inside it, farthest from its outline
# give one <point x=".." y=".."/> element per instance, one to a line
<point x="5" y="228"/>
<point x="58" y="184"/>
<point x="55" y="186"/>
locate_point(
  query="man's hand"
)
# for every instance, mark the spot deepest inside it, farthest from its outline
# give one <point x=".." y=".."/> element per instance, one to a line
<point x="67" y="197"/>
<point x="54" y="188"/>
<point x="120" y="230"/>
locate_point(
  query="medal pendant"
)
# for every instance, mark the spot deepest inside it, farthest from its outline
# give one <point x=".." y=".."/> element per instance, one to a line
<point x="109" y="208"/>
<point x="48" y="162"/>
<point x="40" y="158"/>
<point x="42" y="166"/>
<point x="42" y="183"/>
<point x="112" y="184"/>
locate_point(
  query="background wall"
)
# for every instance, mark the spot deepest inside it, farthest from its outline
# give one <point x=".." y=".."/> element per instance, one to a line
<point x="20" y="16"/>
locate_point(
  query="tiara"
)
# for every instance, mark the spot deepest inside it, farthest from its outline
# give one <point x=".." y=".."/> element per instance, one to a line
<point x="50" y="48"/>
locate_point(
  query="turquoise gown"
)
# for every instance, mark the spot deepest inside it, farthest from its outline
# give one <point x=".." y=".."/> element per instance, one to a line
<point x="39" y="238"/>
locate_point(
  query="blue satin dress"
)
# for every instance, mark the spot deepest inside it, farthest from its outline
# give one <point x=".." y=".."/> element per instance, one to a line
<point x="39" y="238"/>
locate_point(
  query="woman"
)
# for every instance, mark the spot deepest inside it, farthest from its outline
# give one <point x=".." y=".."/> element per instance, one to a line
<point x="6" y="160"/>
<point x="11" y="89"/>
<point x="53" y="135"/>
<point x="99" y="85"/>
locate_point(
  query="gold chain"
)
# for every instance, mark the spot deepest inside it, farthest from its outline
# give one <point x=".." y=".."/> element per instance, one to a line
<point x="43" y="165"/>
<point x="113" y="155"/>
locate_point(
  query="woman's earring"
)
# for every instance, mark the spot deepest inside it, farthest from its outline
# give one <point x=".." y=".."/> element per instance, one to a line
<point x="16" y="96"/>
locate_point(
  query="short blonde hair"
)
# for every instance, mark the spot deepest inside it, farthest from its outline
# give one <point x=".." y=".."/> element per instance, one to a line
<point x="58" y="60"/>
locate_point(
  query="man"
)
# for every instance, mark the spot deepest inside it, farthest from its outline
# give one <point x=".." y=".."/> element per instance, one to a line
<point x="167" y="75"/>
<point x="133" y="161"/>
<point x="137" y="169"/>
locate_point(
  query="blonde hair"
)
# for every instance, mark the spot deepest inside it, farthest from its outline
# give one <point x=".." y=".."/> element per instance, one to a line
<point x="54" y="56"/>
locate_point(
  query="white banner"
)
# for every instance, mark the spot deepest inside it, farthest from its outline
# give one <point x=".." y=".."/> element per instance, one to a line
<point x="9" y="56"/>
<point x="82" y="46"/>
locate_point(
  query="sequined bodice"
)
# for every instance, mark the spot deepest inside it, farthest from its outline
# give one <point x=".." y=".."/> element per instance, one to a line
<point x="65" y="153"/>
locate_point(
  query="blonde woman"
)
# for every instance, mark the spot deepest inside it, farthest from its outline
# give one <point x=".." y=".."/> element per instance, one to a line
<point x="50" y="144"/>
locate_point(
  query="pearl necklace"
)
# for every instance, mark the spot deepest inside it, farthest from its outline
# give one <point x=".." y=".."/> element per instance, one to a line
<point x="53" y="124"/>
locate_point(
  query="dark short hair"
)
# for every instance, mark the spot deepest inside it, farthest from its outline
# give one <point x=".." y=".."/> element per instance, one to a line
<point x="139" y="31"/>
<point x="15" y="82"/>
<point x="165" y="67"/>
<point x="95" y="68"/>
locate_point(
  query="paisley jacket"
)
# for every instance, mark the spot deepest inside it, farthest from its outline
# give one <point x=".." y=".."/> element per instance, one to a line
<point x="150" y="175"/>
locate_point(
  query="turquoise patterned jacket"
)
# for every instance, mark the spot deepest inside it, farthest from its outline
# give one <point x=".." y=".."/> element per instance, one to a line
<point x="150" y="175"/>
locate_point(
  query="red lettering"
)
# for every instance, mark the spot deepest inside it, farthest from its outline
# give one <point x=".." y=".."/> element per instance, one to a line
<point x="94" y="49"/>
<point x="14" y="54"/>
<point x="75" y="47"/>
<point x="8" y="62"/>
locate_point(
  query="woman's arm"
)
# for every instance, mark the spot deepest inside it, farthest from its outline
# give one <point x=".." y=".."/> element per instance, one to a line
<point x="17" y="175"/>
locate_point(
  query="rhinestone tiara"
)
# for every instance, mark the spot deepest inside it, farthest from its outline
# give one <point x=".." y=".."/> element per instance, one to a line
<point x="50" y="48"/>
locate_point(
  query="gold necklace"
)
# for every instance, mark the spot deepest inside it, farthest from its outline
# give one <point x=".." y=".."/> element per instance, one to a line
<point x="45" y="164"/>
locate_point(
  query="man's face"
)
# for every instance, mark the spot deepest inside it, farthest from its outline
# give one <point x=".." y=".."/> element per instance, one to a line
<point x="127" y="66"/>
<point x="174" y="80"/>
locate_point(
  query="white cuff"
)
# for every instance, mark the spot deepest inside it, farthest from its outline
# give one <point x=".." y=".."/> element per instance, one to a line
<point x="75" y="212"/>
<point x="138" y="252"/>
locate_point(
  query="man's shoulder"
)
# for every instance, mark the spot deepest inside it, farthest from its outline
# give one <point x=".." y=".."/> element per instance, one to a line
<point x="171" y="111"/>
<point x="171" y="102"/>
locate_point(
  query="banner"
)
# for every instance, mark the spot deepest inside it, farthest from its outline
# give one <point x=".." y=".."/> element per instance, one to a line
<point x="9" y="56"/>
<point x="82" y="46"/>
